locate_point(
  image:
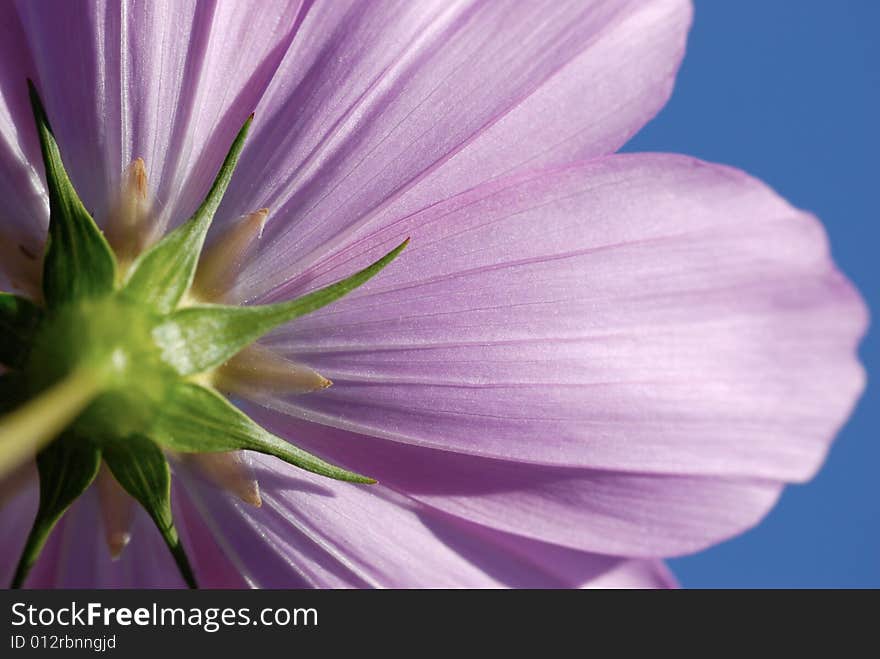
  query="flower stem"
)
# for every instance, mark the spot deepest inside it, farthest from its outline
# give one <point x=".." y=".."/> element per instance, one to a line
<point x="26" y="430"/>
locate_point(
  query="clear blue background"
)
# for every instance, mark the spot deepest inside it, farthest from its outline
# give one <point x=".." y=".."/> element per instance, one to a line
<point x="789" y="90"/>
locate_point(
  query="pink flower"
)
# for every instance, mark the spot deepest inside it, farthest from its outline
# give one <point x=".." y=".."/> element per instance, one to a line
<point x="583" y="362"/>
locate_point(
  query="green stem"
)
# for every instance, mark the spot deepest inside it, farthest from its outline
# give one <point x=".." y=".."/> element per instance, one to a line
<point x="26" y="430"/>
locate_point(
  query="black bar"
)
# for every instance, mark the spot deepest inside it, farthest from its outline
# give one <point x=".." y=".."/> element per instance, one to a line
<point x="284" y="623"/>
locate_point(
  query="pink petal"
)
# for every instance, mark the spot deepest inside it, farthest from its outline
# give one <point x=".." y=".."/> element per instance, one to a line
<point x="211" y="563"/>
<point x="76" y="555"/>
<point x="170" y="81"/>
<point x="606" y="512"/>
<point x="637" y="574"/>
<point x="572" y="568"/>
<point x="643" y="313"/>
<point x="381" y="108"/>
<point x="316" y="532"/>
<point x="16" y="517"/>
<point x="23" y="220"/>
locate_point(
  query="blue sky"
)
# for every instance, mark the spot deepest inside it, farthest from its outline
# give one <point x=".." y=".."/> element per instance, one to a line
<point x="790" y="92"/>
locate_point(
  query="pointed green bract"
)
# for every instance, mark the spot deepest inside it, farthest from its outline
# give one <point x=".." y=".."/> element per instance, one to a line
<point x="105" y="368"/>
<point x="66" y="467"/>
<point x="19" y="319"/>
<point x="162" y="275"/>
<point x="195" y="419"/>
<point x="142" y="471"/>
<point x="196" y="339"/>
<point x="78" y="261"/>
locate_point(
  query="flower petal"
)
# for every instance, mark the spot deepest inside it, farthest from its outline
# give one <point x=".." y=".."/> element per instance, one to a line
<point x="18" y="507"/>
<point x="404" y="103"/>
<point x="644" y="313"/>
<point x="169" y="81"/>
<point x="623" y="514"/>
<point x="211" y="562"/>
<point x="84" y="560"/>
<point x="75" y="559"/>
<point x="25" y="209"/>
<point x="327" y="534"/>
<point x="637" y="574"/>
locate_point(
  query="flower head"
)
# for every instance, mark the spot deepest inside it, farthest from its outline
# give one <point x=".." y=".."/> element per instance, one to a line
<point x="582" y="362"/>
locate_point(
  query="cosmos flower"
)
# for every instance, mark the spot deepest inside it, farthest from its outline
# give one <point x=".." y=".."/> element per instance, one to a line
<point x="582" y="362"/>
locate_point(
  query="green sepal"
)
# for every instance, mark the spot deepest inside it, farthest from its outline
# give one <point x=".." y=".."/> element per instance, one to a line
<point x="11" y="391"/>
<point x="78" y="261"/>
<point x="196" y="339"/>
<point x="19" y="318"/>
<point x="161" y="276"/>
<point x="142" y="470"/>
<point x="66" y="468"/>
<point x="195" y="419"/>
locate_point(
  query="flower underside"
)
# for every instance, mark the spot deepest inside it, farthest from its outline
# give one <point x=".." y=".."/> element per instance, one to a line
<point x="125" y="356"/>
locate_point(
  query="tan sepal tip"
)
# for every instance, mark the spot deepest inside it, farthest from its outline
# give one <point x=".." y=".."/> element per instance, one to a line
<point x="230" y="471"/>
<point x="117" y="512"/>
<point x="258" y="370"/>
<point x="223" y="260"/>
<point x="129" y="221"/>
